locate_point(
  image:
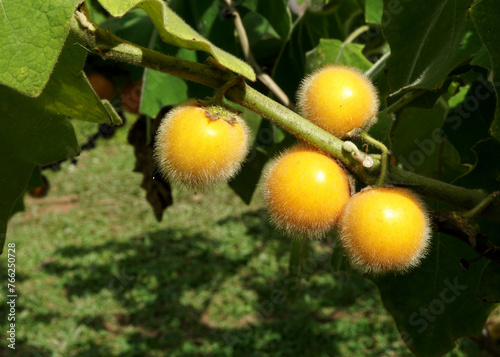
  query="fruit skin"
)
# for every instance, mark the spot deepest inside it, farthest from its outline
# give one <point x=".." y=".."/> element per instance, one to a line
<point x="40" y="191"/>
<point x="385" y="229"/>
<point x="305" y="191"/>
<point x="104" y="88"/>
<point x="131" y="96"/>
<point x="198" y="146"/>
<point x="338" y="99"/>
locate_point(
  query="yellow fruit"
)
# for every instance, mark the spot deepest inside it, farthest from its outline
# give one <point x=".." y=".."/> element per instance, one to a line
<point x="338" y="99"/>
<point x="104" y="88"/>
<point x="385" y="229"/>
<point x="199" y="146"/>
<point x="305" y="191"/>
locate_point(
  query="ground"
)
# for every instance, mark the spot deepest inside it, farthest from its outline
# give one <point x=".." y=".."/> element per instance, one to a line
<point x="97" y="275"/>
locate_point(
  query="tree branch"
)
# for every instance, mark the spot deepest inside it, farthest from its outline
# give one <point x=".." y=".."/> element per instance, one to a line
<point x="109" y="46"/>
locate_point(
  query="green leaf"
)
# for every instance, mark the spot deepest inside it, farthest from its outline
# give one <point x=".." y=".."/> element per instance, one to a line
<point x="373" y="11"/>
<point x="306" y="34"/>
<point x="96" y="13"/>
<point x="158" y="87"/>
<point x="418" y="144"/>
<point x="263" y="39"/>
<point x="35" y="181"/>
<point x="428" y="40"/>
<point x="334" y="52"/>
<point x="29" y="136"/>
<point x="69" y="92"/>
<point x="207" y="18"/>
<point x="468" y="121"/>
<point x="35" y="131"/>
<point x="489" y="285"/>
<point x="135" y="26"/>
<point x="382" y="128"/>
<point x="276" y="12"/>
<point x="431" y="303"/>
<point x="482" y="59"/>
<point x="162" y="89"/>
<point x="33" y="34"/>
<point x="485" y="15"/>
<point x="173" y="30"/>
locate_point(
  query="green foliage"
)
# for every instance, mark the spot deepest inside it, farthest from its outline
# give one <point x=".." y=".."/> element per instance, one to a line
<point x="173" y="30"/>
<point x="484" y="13"/>
<point x="100" y="277"/>
<point x="427" y="42"/>
<point x="33" y="35"/>
<point x="335" y="52"/>
<point x="436" y="65"/>
<point x="430" y="304"/>
<point x="36" y="131"/>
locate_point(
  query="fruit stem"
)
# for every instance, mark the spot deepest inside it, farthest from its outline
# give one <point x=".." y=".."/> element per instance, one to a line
<point x="383" y="159"/>
<point x="109" y="46"/>
<point x="481" y="205"/>
<point x="221" y="91"/>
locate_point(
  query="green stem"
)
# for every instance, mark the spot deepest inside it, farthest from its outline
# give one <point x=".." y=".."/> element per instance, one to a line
<point x="383" y="160"/>
<point x="482" y="205"/>
<point x="402" y="102"/>
<point x="352" y="36"/>
<point x="378" y="66"/>
<point x="108" y="46"/>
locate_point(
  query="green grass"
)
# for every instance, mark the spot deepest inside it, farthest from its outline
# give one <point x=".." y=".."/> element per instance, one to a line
<point x="98" y="276"/>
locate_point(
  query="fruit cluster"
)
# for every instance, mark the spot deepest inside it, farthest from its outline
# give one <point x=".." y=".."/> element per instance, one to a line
<point x="307" y="192"/>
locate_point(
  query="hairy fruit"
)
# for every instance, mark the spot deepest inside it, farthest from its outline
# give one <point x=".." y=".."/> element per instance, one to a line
<point x="305" y="191"/>
<point x="385" y="229"/>
<point x="199" y="146"/>
<point x="104" y="88"/>
<point x="338" y="99"/>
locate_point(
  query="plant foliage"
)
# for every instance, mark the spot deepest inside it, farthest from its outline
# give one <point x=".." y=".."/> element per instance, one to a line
<point x="436" y="65"/>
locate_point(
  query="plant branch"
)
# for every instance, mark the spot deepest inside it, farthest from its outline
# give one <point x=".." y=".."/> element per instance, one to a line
<point x="109" y="46"/>
<point x="383" y="159"/>
<point x="448" y="223"/>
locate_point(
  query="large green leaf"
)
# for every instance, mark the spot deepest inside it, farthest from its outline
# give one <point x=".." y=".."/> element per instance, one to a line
<point x="162" y="89"/>
<point x="172" y="29"/>
<point x="33" y="34"/>
<point x="485" y="15"/>
<point x="428" y="40"/>
<point x="333" y="51"/>
<point x="468" y="121"/>
<point x="206" y="17"/>
<point x="69" y="92"/>
<point x="29" y="136"/>
<point x="437" y="303"/>
<point x="35" y="131"/>
<point x="489" y="286"/>
<point x="276" y="12"/>
<point x="373" y="11"/>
